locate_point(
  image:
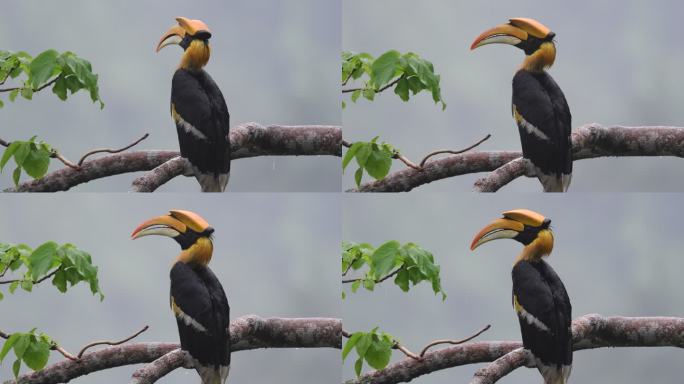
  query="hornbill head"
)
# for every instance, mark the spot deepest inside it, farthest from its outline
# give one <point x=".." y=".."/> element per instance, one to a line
<point x="189" y="229"/>
<point x="527" y="227"/>
<point x="193" y="36"/>
<point x="527" y="34"/>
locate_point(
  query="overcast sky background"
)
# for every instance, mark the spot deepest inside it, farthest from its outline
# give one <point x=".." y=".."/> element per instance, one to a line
<point x="617" y="63"/>
<point x="274" y="254"/>
<point x="276" y="62"/>
<point x="616" y="254"/>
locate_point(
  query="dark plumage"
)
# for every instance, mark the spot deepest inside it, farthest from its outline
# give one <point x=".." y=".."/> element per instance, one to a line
<point x="197" y="292"/>
<point x="540" y="293"/>
<point x="541" y="103"/>
<point x="198" y="101"/>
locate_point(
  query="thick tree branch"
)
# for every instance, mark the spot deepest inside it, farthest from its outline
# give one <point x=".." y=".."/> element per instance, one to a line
<point x="594" y="140"/>
<point x="247" y="140"/>
<point x="589" y="141"/>
<point x="589" y="331"/>
<point x="407" y="179"/>
<point x="247" y="332"/>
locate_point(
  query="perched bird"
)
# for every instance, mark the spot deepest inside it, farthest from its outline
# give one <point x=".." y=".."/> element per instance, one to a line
<point x="198" y="107"/>
<point x="539" y="296"/>
<point x="197" y="297"/>
<point x="539" y="106"/>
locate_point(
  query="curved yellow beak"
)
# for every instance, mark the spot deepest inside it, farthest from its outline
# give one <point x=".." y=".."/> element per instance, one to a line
<point x="501" y="34"/>
<point x="185" y="27"/>
<point x="497" y="229"/>
<point x="165" y="225"/>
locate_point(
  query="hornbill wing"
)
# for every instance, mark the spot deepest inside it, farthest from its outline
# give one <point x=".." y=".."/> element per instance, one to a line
<point x="544" y="311"/>
<point x="202" y="121"/>
<point x="544" y="122"/>
<point x="202" y="314"/>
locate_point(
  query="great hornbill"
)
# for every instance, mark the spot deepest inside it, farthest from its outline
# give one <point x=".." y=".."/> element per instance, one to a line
<point x="197" y="297"/>
<point x="539" y="106"/>
<point x="539" y="296"/>
<point x="198" y="107"/>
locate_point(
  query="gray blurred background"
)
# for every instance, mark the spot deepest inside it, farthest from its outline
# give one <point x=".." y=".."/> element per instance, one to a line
<point x="267" y="247"/>
<point x="618" y="63"/>
<point x="617" y="255"/>
<point x="276" y="62"/>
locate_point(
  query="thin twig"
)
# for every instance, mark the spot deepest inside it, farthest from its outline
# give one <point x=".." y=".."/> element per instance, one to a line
<point x="406" y="351"/>
<point x="377" y="281"/>
<point x="84" y="349"/>
<point x="422" y="163"/>
<point x="64" y="353"/>
<point x="5" y="143"/>
<point x="4" y="335"/>
<point x="109" y="150"/>
<point x="406" y="161"/>
<point x="35" y="89"/>
<point x="344" y="333"/>
<point x="56" y="155"/>
<point x="453" y="342"/>
<point x="345" y="143"/>
<point x="376" y="90"/>
<point x="35" y="282"/>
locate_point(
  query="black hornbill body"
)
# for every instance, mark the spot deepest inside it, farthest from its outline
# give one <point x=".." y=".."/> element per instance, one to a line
<point x="539" y="106"/>
<point x="198" y="300"/>
<point x="539" y="296"/>
<point x="198" y="107"/>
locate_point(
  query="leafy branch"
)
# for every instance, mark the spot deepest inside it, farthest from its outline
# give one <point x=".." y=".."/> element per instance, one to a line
<point x="376" y="159"/>
<point x="34" y="348"/>
<point x="375" y="347"/>
<point x="408" y="73"/>
<point x="63" y="263"/>
<point x="64" y="72"/>
<point x="408" y="264"/>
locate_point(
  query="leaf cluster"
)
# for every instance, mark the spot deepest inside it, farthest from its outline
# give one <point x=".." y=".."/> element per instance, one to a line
<point x="31" y="156"/>
<point x="65" y="72"/>
<point x="375" y="347"/>
<point x="408" y="73"/>
<point x="410" y="264"/>
<point x="31" y="348"/>
<point x="373" y="157"/>
<point x="66" y="264"/>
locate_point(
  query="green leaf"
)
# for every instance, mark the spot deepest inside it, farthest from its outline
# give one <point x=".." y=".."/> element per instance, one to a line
<point x="384" y="257"/>
<point x="402" y="280"/>
<point x="41" y="259"/>
<point x="1" y="296"/>
<point x="42" y="67"/>
<point x="8" y="153"/>
<point x="357" y="176"/>
<point x="1" y="104"/>
<point x="369" y="284"/>
<point x="355" y="95"/>
<point x="362" y="153"/>
<point x="378" y="354"/>
<point x="27" y="93"/>
<point x="355" y="286"/>
<point x="8" y="345"/>
<point x="369" y="94"/>
<point x="363" y="343"/>
<point x="378" y="164"/>
<point x="15" y="367"/>
<point x="27" y="285"/>
<point x="36" y="163"/>
<point x="350" y="344"/>
<point x="37" y="354"/>
<point x="21" y="344"/>
<point x="347" y="156"/>
<point x="384" y="68"/>
<point x="358" y="365"/>
<point x="402" y="89"/>
<point x="60" y="88"/>
<point x="22" y="151"/>
<point x="13" y="286"/>
<point x="16" y="175"/>
<point x="60" y="280"/>
<point x="13" y="95"/>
